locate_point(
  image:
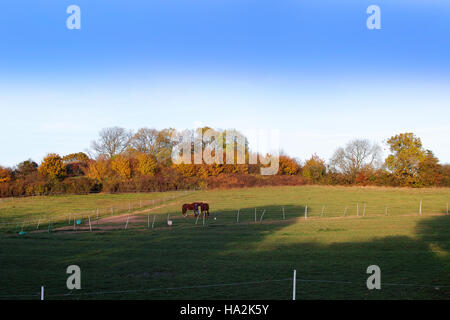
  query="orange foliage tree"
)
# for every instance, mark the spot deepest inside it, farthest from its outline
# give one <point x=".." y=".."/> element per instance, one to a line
<point x="288" y="166"/>
<point x="52" y="167"/>
<point x="99" y="169"/>
<point x="122" y="166"/>
<point x="5" y="174"/>
<point x="146" y="164"/>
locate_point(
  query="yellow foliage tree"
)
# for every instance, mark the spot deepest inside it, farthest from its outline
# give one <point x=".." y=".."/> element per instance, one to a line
<point x="99" y="169"/>
<point x="146" y="164"/>
<point x="122" y="166"/>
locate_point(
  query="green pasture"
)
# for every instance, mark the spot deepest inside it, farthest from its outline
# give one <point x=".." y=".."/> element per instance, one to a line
<point x="222" y="258"/>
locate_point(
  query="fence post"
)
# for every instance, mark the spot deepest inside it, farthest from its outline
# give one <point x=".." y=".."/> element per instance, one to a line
<point x="237" y="217"/>
<point x="420" y="208"/>
<point x="306" y="211"/>
<point x="284" y="215"/>
<point x="126" y="225"/>
<point x="90" y="226"/>
<point x="294" y="285"/>
<point x="42" y="292"/>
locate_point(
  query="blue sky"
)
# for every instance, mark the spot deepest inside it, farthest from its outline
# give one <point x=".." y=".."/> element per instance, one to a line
<point x="310" y="69"/>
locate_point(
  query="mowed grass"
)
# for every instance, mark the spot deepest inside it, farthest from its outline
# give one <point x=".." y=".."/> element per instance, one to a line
<point x="247" y="260"/>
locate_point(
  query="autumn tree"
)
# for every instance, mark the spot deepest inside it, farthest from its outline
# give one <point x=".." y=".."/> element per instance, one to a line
<point x="288" y="166"/>
<point x="75" y="157"/>
<point x="122" y="166"/>
<point x="5" y="174"/>
<point x="76" y="164"/>
<point x="52" y="167"/>
<point x="112" y="141"/>
<point x="314" y="168"/>
<point x="430" y="171"/>
<point x="99" y="169"/>
<point x="146" y="164"/>
<point x="25" y="168"/>
<point x="159" y="144"/>
<point x="356" y="156"/>
<point x="405" y="158"/>
<point x="145" y="141"/>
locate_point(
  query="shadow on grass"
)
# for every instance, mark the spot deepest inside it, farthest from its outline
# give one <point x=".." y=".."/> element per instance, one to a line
<point x="227" y="252"/>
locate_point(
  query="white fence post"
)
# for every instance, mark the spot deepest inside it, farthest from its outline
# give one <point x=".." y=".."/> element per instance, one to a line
<point x="42" y="292"/>
<point x="294" y="285"/>
<point x="126" y="225"/>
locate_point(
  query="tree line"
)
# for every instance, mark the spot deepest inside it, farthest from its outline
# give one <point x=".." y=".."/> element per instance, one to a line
<point x="124" y="161"/>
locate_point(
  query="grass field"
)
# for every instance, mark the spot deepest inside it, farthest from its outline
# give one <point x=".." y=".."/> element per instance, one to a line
<point x="345" y="231"/>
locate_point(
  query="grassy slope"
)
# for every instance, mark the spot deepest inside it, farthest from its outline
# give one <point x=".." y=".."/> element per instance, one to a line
<point x="409" y="248"/>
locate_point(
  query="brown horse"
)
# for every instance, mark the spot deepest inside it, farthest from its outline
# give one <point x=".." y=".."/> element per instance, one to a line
<point x="204" y="207"/>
